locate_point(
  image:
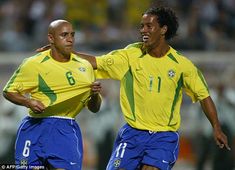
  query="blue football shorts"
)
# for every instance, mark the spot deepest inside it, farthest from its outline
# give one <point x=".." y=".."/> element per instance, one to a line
<point x="49" y="141"/>
<point x="134" y="148"/>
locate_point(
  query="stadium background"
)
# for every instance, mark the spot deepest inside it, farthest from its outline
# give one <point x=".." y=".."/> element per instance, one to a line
<point x="206" y="35"/>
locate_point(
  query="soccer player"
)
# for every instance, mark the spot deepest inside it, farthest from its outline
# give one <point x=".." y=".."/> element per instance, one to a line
<point x="55" y="85"/>
<point x="152" y="77"/>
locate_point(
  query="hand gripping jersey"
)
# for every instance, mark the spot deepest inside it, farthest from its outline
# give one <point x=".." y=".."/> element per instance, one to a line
<point x="151" y="88"/>
<point x="63" y="87"/>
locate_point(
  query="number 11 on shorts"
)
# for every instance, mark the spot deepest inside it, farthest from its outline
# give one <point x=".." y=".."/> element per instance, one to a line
<point x="121" y="150"/>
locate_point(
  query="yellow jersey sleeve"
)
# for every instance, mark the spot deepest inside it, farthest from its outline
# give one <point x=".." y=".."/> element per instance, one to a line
<point x="195" y="84"/>
<point x="23" y="79"/>
<point x="113" y="65"/>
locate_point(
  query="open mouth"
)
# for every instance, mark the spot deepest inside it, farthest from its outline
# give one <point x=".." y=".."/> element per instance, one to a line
<point x="69" y="46"/>
<point x="145" y="38"/>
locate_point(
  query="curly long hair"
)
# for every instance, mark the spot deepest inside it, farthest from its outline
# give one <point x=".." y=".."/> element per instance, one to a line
<point x="165" y="16"/>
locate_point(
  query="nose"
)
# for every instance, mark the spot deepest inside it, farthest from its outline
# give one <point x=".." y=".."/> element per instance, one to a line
<point x="143" y="29"/>
<point x="70" y="38"/>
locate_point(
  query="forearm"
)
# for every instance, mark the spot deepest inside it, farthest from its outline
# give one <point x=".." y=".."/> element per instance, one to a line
<point x="94" y="103"/>
<point x="209" y="109"/>
<point x="17" y="98"/>
<point x="35" y="105"/>
<point x="87" y="57"/>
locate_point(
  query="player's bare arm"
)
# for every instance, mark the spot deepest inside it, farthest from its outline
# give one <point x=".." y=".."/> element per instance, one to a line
<point x="209" y="109"/>
<point x="87" y="57"/>
<point x="35" y="105"/>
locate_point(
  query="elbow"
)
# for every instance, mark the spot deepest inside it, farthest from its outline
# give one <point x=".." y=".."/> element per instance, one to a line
<point x="94" y="108"/>
<point x="5" y="94"/>
<point x="94" y="103"/>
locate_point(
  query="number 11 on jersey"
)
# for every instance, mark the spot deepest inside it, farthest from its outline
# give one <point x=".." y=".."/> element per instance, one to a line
<point x="151" y="80"/>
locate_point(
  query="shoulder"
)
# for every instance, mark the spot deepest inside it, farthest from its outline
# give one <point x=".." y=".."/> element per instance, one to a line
<point x="179" y="57"/>
<point x="78" y="59"/>
<point x="131" y="51"/>
<point x="134" y="50"/>
<point x="136" y="46"/>
<point x="39" y="57"/>
<point x="184" y="64"/>
<point x="35" y="59"/>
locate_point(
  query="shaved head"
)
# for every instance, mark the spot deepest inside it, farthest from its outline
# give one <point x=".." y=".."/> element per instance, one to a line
<point x="55" y="24"/>
<point x="61" y="37"/>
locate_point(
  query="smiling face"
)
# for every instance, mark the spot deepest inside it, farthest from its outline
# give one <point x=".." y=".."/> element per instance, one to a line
<point x="151" y="32"/>
<point x="61" y="37"/>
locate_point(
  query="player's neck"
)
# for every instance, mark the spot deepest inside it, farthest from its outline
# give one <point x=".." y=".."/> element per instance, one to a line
<point x="160" y="50"/>
<point x="59" y="56"/>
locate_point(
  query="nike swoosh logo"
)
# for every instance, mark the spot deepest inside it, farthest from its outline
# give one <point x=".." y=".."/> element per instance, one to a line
<point x="166" y="162"/>
<point x="73" y="163"/>
<point x="138" y="69"/>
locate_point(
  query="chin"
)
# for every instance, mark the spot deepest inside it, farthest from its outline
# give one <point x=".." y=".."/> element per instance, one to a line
<point x="68" y="51"/>
<point x="147" y="45"/>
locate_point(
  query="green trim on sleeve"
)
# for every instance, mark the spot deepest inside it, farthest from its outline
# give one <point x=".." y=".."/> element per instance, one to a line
<point x="12" y="79"/>
<point x="172" y="57"/>
<point x="45" y="89"/>
<point x="45" y="59"/>
<point x="14" y="76"/>
<point x="202" y="79"/>
<point x="74" y="59"/>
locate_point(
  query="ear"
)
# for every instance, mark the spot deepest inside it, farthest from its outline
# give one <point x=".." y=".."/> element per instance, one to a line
<point x="50" y="38"/>
<point x="163" y="30"/>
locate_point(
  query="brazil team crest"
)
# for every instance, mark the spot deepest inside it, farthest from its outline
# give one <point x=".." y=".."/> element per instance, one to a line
<point x="171" y="73"/>
<point x="117" y="163"/>
<point x="82" y="69"/>
<point x="23" y="162"/>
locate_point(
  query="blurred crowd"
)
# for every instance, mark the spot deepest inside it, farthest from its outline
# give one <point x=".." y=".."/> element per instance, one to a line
<point x="109" y="24"/>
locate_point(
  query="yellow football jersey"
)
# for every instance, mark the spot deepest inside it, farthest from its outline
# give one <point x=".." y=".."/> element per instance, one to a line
<point x="63" y="87"/>
<point x="151" y="88"/>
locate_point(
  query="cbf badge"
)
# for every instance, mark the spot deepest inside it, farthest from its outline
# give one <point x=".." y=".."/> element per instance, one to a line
<point x="23" y="162"/>
<point x="171" y="73"/>
<point x="82" y="69"/>
<point x="117" y="163"/>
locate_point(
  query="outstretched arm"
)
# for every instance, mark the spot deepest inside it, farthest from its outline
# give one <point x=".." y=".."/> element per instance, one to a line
<point x="35" y="105"/>
<point x="95" y="101"/>
<point x="209" y="109"/>
<point x="88" y="57"/>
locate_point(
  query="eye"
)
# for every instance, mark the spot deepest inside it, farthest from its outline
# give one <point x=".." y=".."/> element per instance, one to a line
<point x="73" y="34"/>
<point x="149" y="26"/>
<point x="64" y="34"/>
